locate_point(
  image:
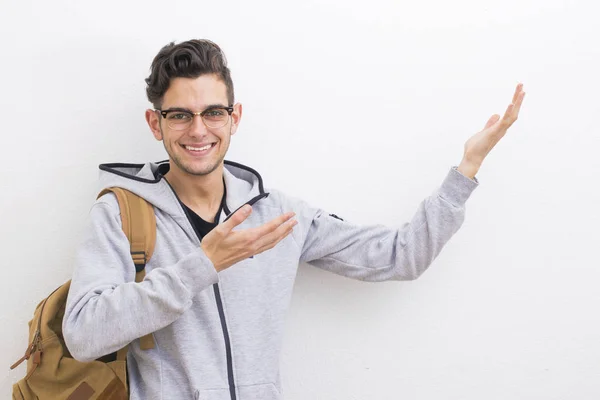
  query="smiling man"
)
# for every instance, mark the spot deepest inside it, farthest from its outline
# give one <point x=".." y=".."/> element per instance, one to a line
<point x="219" y="282"/>
<point x="196" y="146"/>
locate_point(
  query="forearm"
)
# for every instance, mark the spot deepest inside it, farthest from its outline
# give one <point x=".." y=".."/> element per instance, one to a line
<point x="103" y="294"/>
<point x="95" y="307"/>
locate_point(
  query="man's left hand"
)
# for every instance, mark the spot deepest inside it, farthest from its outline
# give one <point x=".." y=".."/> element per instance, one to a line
<point x="480" y="144"/>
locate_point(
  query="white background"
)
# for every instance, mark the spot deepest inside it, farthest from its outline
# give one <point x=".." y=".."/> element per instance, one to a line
<point x="360" y="108"/>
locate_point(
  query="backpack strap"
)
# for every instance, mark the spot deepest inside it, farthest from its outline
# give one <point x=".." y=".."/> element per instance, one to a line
<point x="139" y="224"/>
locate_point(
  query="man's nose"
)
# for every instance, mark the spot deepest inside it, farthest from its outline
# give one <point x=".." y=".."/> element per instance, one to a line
<point x="197" y="128"/>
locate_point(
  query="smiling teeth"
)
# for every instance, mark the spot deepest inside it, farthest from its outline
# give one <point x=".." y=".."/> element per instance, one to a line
<point x="199" y="148"/>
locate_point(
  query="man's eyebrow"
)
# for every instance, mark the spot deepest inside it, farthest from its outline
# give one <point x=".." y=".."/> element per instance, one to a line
<point x="216" y="105"/>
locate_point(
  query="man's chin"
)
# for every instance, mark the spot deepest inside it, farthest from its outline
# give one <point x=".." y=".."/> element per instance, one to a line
<point x="196" y="167"/>
<point x="197" y="170"/>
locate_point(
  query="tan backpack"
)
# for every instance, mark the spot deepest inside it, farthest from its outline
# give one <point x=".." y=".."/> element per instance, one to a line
<point x="52" y="374"/>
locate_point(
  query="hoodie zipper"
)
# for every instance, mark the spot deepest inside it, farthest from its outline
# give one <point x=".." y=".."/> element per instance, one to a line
<point x="220" y="303"/>
<point x="227" y="342"/>
<point x="218" y="299"/>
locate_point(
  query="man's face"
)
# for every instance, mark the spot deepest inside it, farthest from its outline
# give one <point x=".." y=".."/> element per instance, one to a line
<point x="182" y="146"/>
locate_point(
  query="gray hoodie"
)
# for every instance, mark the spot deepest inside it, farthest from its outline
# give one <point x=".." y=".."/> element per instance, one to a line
<point x="218" y="335"/>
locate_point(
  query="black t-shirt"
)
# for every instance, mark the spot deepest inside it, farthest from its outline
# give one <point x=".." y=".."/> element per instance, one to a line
<point x="202" y="226"/>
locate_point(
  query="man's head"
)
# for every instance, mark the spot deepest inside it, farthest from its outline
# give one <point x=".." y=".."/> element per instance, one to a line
<point x="192" y="78"/>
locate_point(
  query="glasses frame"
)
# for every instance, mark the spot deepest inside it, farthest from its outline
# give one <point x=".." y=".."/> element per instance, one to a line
<point x="201" y="114"/>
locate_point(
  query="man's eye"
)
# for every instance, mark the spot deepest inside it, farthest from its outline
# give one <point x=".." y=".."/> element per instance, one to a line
<point x="214" y="113"/>
<point x="178" y="116"/>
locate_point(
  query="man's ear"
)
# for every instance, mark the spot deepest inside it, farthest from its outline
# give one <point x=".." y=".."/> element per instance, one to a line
<point x="236" y="117"/>
<point x="153" y="120"/>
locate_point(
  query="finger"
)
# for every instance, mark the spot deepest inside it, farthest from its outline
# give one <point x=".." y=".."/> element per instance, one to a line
<point x="508" y="117"/>
<point x="493" y="119"/>
<point x="270" y="226"/>
<point x="518" y="90"/>
<point x="271" y="240"/>
<point x="518" y="103"/>
<point x="236" y="218"/>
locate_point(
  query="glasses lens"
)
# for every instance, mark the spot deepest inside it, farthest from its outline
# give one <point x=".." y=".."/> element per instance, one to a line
<point x="179" y="120"/>
<point x="215" y="117"/>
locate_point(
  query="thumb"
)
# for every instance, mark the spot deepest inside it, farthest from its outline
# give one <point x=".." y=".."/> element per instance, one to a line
<point x="493" y="119"/>
<point x="236" y="218"/>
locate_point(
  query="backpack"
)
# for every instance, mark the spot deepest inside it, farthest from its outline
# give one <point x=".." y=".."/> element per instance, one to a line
<point x="52" y="373"/>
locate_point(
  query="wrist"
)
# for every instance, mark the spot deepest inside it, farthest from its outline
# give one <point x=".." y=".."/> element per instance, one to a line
<point x="210" y="257"/>
<point x="468" y="169"/>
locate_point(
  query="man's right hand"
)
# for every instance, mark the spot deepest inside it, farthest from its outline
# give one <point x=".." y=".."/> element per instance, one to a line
<point x="224" y="247"/>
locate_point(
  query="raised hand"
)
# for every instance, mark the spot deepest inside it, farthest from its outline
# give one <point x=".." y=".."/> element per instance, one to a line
<point x="480" y="144"/>
<point x="224" y="247"/>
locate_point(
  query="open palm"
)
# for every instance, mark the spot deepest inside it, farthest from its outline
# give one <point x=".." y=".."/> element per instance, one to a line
<point x="480" y="144"/>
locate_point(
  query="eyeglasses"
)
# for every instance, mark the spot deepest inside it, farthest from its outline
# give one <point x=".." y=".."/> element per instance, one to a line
<point x="180" y="118"/>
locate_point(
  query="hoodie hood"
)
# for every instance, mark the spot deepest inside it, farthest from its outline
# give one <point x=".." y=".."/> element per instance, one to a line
<point x="243" y="185"/>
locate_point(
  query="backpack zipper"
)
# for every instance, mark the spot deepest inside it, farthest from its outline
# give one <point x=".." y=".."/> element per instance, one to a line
<point x="36" y="342"/>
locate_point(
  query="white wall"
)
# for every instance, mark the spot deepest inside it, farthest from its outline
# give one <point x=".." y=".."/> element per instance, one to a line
<point x="360" y="108"/>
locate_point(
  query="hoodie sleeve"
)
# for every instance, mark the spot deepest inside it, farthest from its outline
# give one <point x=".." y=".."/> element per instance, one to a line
<point x="379" y="253"/>
<point x="104" y="295"/>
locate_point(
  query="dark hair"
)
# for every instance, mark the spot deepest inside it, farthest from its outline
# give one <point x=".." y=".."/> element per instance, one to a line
<point x="189" y="59"/>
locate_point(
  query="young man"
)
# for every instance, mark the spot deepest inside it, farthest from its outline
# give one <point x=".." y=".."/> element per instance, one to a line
<point x="213" y="297"/>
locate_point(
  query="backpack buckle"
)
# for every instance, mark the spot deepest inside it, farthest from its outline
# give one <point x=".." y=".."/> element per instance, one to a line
<point x="139" y="260"/>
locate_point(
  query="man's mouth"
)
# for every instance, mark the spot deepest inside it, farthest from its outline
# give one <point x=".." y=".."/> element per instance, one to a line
<point x="199" y="149"/>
